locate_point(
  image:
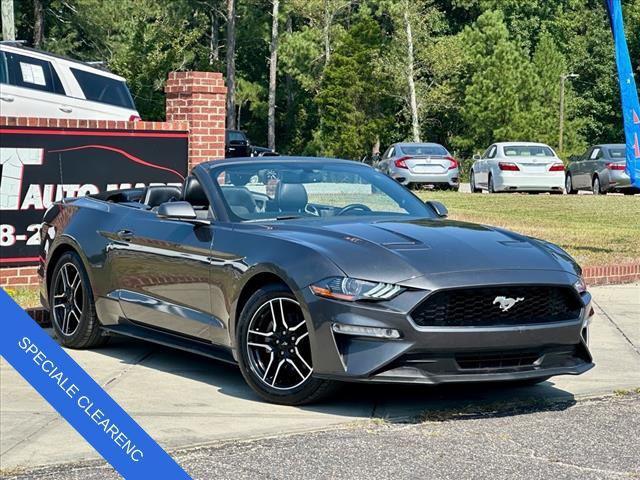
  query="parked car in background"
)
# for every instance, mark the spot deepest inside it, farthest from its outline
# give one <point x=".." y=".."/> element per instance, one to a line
<point x="414" y="164"/>
<point x="263" y="152"/>
<point x="601" y="169"/>
<point x="517" y="167"/>
<point x="34" y="83"/>
<point x="236" y="144"/>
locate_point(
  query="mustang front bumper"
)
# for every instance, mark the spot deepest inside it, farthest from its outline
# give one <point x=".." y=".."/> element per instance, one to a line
<point x="435" y="355"/>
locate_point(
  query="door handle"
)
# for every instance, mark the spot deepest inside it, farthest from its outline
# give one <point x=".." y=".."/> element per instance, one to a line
<point x="7" y="98"/>
<point x="65" y="108"/>
<point x="125" y="235"/>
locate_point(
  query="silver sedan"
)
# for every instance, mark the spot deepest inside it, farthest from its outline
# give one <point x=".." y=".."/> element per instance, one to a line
<point x="601" y="169"/>
<point x="421" y="164"/>
<point x="518" y="167"/>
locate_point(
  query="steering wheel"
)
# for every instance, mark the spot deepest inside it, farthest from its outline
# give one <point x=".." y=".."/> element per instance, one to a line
<point x="353" y="206"/>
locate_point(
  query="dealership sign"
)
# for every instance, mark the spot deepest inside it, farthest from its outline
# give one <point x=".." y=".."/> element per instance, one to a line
<point x="40" y="166"/>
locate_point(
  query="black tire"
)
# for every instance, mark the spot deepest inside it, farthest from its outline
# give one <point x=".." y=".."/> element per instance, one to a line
<point x="568" y="185"/>
<point x="309" y="390"/>
<point x="491" y="188"/>
<point x="596" y="186"/>
<point x="74" y="327"/>
<point x="472" y="183"/>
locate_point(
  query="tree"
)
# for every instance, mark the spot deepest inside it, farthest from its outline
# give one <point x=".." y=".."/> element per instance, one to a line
<point x="353" y="100"/>
<point x="415" y="121"/>
<point x="38" y="23"/>
<point x="231" y="62"/>
<point x="273" y="72"/>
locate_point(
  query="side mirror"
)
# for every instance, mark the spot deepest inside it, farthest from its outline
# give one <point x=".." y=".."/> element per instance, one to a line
<point x="438" y="208"/>
<point x="477" y="157"/>
<point x="181" y="211"/>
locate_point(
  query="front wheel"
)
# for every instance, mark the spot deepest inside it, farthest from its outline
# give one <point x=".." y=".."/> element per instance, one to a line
<point x="73" y="313"/>
<point x="275" y="350"/>
<point x="472" y="183"/>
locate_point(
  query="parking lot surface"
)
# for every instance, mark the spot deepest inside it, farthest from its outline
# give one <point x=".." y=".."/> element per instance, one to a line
<point x="593" y="439"/>
<point x="185" y="401"/>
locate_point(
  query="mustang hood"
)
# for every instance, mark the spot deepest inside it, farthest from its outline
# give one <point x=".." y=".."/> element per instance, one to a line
<point x="394" y="251"/>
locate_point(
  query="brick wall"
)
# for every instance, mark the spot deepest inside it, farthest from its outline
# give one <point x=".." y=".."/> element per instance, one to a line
<point x="198" y="98"/>
<point x="611" y="274"/>
<point x="195" y="103"/>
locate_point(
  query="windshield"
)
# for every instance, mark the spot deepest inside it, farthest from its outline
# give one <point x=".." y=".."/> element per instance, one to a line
<point x="424" y="150"/>
<point x="618" y="153"/>
<point x="286" y="190"/>
<point x="528" y="151"/>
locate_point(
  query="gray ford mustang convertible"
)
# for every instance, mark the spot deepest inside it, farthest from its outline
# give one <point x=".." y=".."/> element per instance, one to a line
<point x="307" y="271"/>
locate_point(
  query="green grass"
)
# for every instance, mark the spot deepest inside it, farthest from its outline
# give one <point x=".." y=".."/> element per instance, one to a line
<point x="596" y="230"/>
<point x="26" y="297"/>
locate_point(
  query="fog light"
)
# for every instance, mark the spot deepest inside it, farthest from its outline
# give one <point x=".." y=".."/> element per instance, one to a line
<point x="375" y="332"/>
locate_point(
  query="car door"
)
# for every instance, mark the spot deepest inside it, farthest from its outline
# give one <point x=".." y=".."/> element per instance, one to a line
<point x="163" y="274"/>
<point x="589" y="166"/>
<point x="489" y="155"/>
<point x="33" y="88"/>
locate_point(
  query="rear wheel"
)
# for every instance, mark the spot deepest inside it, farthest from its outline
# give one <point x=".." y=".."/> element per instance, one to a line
<point x="568" y="185"/>
<point x="275" y="349"/>
<point x="596" y="188"/>
<point x="491" y="185"/>
<point x="73" y="313"/>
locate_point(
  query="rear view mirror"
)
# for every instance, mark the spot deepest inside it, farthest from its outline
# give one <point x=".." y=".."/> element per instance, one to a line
<point x="477" y="157"/>
<point x="438" y="208"/>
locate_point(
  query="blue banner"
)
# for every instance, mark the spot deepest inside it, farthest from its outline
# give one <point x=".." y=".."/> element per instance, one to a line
<point x="79" y="399"/>
<point x="628" y="92"/>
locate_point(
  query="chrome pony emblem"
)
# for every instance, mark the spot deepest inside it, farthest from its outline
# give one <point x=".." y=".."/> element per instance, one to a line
<point x="506" y="303"/>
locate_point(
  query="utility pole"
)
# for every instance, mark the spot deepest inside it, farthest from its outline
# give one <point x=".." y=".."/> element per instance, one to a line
<point x="8" y="23"/>
<point x="563" y="79"/>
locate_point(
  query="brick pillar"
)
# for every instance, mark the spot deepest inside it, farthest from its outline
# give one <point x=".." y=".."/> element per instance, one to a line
<point x="198" y="98"/>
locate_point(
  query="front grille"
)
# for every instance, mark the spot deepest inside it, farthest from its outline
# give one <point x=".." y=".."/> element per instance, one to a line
<point x="480" y="307"/>
<point x="496" y="360"/>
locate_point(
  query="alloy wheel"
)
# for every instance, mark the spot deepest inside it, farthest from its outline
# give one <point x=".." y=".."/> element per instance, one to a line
<point x="278" y="344"/>
<point x="68" y="298"/>
<point x="596" y="186"/>
<point x="568" y="186"/>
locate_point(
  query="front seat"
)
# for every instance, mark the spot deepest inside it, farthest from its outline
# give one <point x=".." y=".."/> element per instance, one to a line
<point x="240" y="200"/>
<point x="155" y="196"/>
<point x="291" y="197"/>
<point x="193" y="193"/>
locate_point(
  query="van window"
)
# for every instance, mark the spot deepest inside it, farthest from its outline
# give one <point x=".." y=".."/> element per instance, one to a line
<point x="102" y="89"/>
<point x="29" y="72"/>
<point x="3" y="69"/>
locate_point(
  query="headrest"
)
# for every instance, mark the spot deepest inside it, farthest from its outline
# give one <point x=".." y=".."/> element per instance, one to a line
<point x="193" y="192"/>
<point x="292" y="197"/>
<point x="159" y="194"/>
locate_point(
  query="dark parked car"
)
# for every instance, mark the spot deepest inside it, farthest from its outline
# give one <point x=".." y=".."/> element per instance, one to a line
<point x="601" y="169"/>
<point x="305" y="271"/>
<point x="236" y="144"/>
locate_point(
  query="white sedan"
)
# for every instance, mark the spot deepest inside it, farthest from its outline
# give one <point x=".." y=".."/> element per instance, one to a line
<point x="518" y="167"/>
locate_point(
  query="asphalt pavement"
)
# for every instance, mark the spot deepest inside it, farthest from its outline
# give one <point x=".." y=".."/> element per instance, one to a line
<point x="592" y="439"/>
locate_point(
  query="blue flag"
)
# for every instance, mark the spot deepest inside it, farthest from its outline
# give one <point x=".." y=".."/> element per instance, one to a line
<point x="80" y="400"/>
<point x="628" y="92"/>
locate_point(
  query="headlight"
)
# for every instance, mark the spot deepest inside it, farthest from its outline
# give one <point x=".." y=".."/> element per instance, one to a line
<point x="351" y="289"/>
<point x="580" y="285"/>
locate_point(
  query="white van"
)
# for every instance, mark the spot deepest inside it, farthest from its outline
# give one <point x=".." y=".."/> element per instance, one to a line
<point x="39" y="84"/>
